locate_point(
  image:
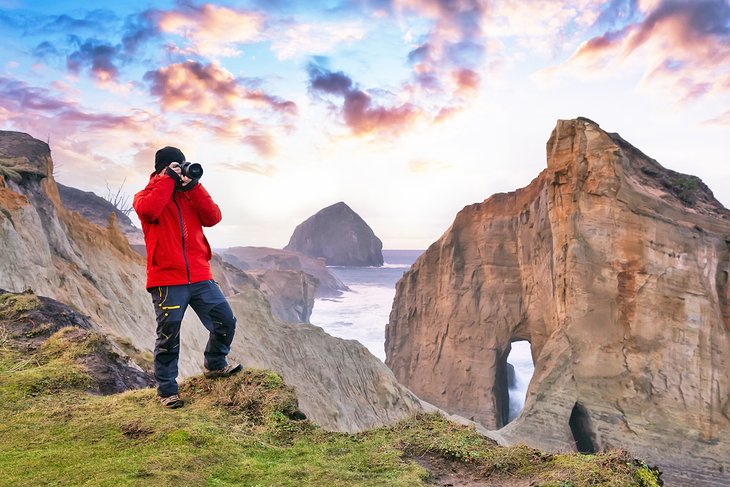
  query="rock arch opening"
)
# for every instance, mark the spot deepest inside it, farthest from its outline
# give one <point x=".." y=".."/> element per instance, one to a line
<point x="582" y="429"/>
<point x="518" y="370"/>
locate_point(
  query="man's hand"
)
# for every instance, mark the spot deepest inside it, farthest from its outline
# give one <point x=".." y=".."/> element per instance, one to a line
<point x="175" y="167"/>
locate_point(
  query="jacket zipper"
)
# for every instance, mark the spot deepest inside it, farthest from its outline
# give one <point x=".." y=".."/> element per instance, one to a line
<point x="182" y="236"/>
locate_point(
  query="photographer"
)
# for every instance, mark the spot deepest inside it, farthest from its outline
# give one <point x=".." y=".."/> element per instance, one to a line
<point x="173" y="208"/>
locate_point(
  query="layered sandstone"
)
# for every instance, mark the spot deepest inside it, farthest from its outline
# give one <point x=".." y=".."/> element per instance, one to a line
<point x="615" y="269"/>
<point x="60" y="254"/>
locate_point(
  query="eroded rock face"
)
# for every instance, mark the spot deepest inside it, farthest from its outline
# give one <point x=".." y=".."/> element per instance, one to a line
<point x="98" y="210"/>
<point x="340" y="236"/>
<point x="290" y="293"/>
<point x="60" y="254"/>
<point x="615" y="269"/>
<point x="264" y="258"/>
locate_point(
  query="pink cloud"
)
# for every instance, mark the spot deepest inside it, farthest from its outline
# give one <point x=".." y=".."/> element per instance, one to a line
<point x="213" y="31"/>
<point x="27" y="103"/>
<point x="360" y="113"/>
<point x="250" y="167"/>
<point x="194" y="87"/>
<point x="722" y="119"/>
<point x="685" y="46"/>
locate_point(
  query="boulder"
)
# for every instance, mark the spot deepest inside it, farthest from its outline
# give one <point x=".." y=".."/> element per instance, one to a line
<point x="615" y="269"/>
<point x="338" y="235"/>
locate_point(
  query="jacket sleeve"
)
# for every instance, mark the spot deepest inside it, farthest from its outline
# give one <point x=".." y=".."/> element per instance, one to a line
<point x="207" y="210"/>
<point x="150" y="202"/>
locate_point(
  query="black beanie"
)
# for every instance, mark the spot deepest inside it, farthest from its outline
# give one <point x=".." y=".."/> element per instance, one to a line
<point x="166" y="156"/>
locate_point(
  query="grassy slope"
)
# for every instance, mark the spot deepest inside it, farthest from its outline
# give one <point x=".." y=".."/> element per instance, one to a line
<point x="234" y="431"/>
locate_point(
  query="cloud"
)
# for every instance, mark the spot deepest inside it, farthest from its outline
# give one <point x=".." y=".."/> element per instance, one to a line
<point x="292" y="39"/>
<point x="45" y="50"/>
<point x="95" y="20"/>
<point x="216" y="102"/>
<point x="213" y="31"/>
<point x="424" y="166"/>
<point x="722" y="119"/>
<point x="193" y="86"/>
<point x="25" y="104"/>
<point x="456" y="40"/>
<point x="208" y="89"/>
<point x="685" y="47"/>
<point x="251" y="167"/>
<point x="81" y="139"/>
<point x="98" y="56"/>
<point x="31" y="23"/>
<point x="358" y="111"/>
<point x="138" y="29"/>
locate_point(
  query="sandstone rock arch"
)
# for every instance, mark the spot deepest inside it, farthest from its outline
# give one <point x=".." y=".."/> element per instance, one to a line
<point x="615" y="269"/>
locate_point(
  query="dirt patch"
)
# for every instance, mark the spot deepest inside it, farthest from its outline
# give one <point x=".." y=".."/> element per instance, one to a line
<point x="136" y="430"/>
<point x="11" y="201"/>
<point x="453" y="473"/>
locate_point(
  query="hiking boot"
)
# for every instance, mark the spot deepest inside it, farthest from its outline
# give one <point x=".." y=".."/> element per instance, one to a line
<point x="229" y="369"/>
<point x="171" y="402"/>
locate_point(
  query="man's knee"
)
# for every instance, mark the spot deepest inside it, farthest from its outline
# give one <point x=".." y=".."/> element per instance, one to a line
<point x="168" y="338"/>
<point x="223" y="319"/>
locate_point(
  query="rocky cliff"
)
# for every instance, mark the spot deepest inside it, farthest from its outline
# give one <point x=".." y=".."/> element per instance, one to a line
<point x="264" y="258"/>
<point x="290" y="293"/>
<point x="340" y="236"/>
<point x="615" y="269"/>
<point x="60" y="254"/>
<point x="98" y="210"/>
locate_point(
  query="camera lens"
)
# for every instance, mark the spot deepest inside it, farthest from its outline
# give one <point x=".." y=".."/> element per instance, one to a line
<point x="193" y="170"/>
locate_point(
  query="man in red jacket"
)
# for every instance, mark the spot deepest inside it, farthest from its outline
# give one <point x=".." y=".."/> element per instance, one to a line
<point x="173" y="210"/>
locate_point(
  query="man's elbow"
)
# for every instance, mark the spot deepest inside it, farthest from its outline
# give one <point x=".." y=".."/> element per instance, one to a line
<point x="213" y="220"/>
<point x="145" y="214"/>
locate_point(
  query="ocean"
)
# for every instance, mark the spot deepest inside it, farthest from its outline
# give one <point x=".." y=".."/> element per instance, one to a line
<point x="362" y="313"/>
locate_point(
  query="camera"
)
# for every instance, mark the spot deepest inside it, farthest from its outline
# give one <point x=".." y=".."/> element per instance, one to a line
<point x="192" y="170"/>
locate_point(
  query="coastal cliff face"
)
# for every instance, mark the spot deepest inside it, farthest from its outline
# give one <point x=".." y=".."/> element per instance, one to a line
<point x="290" y="293"/>
<point x="60" y="254"/>
<point x="265" y="258"/>
<point x="615" y="269"/>
<point x="338" y="235"/>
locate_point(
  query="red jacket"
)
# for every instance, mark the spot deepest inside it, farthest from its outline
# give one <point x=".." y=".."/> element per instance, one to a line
<point x="172" y="222"/>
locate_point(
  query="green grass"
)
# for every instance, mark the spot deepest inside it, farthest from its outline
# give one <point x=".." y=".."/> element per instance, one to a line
<point x="235" y="431"/>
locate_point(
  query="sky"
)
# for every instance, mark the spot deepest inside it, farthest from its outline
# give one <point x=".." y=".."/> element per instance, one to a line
<point x="407" y="110"/>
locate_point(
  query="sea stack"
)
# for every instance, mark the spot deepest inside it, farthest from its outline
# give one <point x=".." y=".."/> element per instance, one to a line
<point x="340" y="236"/>
<point x="615" y="269"/>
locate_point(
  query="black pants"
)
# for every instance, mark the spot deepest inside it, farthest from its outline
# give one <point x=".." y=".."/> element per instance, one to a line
<point x="210" y="305"/>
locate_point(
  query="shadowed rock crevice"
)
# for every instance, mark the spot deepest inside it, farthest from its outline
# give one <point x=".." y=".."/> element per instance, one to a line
<point x="582" y="430"/>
